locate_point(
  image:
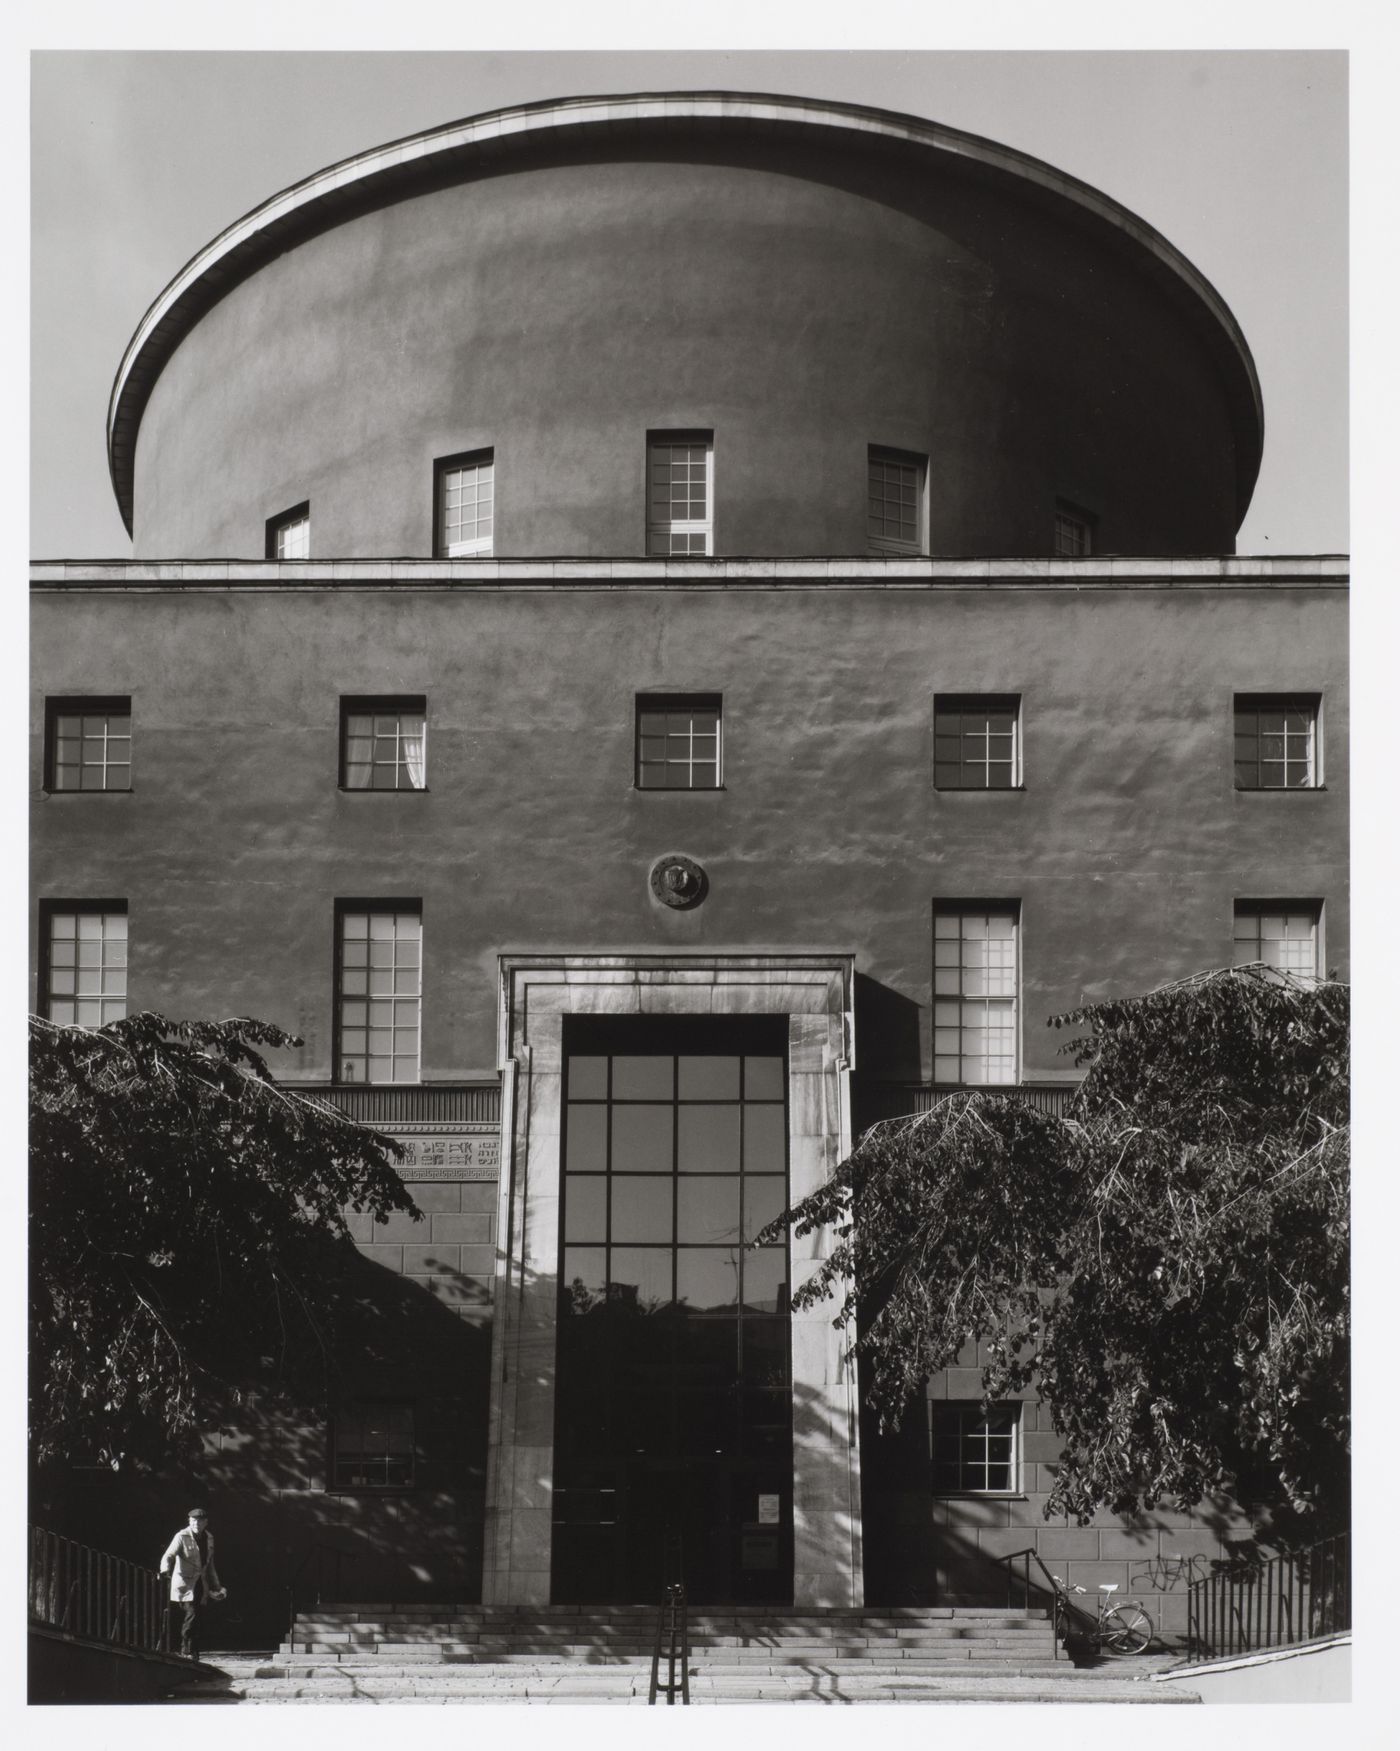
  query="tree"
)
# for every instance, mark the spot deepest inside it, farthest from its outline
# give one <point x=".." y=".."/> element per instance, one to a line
<point x="187" y="1236"/>
<point x="1168" y="1265"/>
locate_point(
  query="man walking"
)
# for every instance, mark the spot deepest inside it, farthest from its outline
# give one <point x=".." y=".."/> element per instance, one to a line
<point x="189" y="1561"/>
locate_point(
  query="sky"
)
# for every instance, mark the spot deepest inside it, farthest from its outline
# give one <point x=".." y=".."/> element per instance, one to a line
<point x="1239" y="158"/>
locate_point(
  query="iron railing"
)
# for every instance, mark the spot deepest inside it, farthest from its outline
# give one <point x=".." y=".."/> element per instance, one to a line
<point x="384" y="1105"/>
<point x="1249" y="1607"/>
<point x="317" y="1552"/>
<point x="95" y="1596"/>
<point x="1033" y="1594"/>
<point x="903" y="1100"/>
<point x="672" y="1631"/>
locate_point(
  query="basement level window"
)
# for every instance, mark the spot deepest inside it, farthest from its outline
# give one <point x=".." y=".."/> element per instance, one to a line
<point x="680" y="493"/>
<point x="87" y="744"/>
<point x="895" y="511"/>
<point x="975" y="1452"/>
<point x="289" y="534"/>
<point x="1276" y="741"/>
<point x="372" y="1447"/>
<point x="679" y="741"/>
<point x="465" y="514"/>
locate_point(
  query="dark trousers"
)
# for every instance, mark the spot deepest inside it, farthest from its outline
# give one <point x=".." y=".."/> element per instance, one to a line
<point x="191" y="1612"/>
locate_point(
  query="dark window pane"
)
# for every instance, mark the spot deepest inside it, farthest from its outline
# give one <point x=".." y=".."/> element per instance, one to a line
<point x="642" y="1140"/>
<point x="709" y="1139"/>
<point x="709" y="1078"/>
<point x="765" y="1199"/>
<point x="640" y="1279"/>
<point x="765" y="1279"/>
<point x="642" y="1078"/>
<point x="641" y="1207"/>
<point x="764" y="1079"/>
<point x="707" y="1278"/>
<point x="765" y="1139"/>
<point x="586" y="1139"/>
<point x="588" y="1078"/>
<point x="586" y="1208"/>
<point x="583" y="1278"/>
<point x="707" y="1208"/>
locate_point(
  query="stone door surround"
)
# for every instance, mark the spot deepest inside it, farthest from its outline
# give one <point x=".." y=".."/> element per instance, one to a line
<point x="814" y="992"/>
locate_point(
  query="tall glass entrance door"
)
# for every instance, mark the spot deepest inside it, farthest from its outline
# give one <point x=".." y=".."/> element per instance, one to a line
<point x="673" y="1433"/>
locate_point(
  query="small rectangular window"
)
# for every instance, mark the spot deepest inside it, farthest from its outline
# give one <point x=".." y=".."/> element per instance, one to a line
<point x="466" y="506"/>
<point x="976" y="741"/>
<point x="679" y="741"/>
<point x="1074" y="532"/>
<point x="680" y="493"/>
<point x="372" y="1447"/>
<point x="379" y="996"/>
<point x="975" y="995"/>
<point x="384" y="743"/>
<point x="87" y="744"/>
<point x="289" y="534"/>
<point x="975" y="1452"/>
<point x="82" y="961"/>
<point x="1283" y="934"/>
<point x="895" y="521"/>
<point x="1276" y="741"/>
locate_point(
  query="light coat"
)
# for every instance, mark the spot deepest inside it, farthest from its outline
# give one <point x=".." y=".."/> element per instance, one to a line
<point x="186" y="1570"/>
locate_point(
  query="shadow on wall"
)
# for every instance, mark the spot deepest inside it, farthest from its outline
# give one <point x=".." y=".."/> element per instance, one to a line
<point x="267" y="1479"/>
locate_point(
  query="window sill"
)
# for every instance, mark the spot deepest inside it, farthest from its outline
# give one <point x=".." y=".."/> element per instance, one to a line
<point x="1278" y="789"/>
<point x="129" y="791"/>
<point x="367" y="790"/>
<point x="372" y="1489"/>
<point x="980" y="1496"/>
<point x="978" y="789"/>
<point x="679" y="790"/>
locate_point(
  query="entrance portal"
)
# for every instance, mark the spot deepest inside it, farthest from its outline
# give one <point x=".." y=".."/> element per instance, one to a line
<point x="673" y="1408"/>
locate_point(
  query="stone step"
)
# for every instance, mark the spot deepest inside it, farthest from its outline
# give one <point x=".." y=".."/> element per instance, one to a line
<point x="631" y="1687"/>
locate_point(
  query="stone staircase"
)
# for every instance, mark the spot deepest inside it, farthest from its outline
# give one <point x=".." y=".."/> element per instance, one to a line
<point x="447" y="1654"/>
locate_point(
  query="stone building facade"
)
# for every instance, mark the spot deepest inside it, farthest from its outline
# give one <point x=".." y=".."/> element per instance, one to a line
<point x="663" y="630"/>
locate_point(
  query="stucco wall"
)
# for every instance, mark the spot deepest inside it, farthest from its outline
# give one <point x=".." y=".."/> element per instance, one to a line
<point x="1126" y="848"/>
<point x="802" y="301"/>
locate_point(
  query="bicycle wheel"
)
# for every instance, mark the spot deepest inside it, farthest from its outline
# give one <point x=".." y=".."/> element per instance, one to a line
<point x="1127" y="1629"/>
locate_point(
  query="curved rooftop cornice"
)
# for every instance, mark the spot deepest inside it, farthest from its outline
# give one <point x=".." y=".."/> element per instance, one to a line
<point x="337" y="192"/>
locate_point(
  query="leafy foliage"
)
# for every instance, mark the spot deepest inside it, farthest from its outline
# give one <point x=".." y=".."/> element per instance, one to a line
<point x="1168" y="1266"/>
<point x="187" y="1238"/>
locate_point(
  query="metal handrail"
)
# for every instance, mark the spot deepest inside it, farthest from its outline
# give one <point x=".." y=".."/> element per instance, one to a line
<point x="96" y="1596"/>
<point x="1247" y="1607"/>
<point x="1062" y="1608"/>
<point x="672" y="1627"/>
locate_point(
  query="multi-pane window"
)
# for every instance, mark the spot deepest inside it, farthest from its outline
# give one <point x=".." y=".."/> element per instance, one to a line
<point x="974" y="995"/>
<point x="289" y="535"/>
<point x="975" y="1451"/>
<point x="466" y="506"/>
<point x="1074" y="533"/>
<point x="384" y="744"/>
<point x="1281" y="933"/>
<point x="372" y="1447"/>
<point x="84" y="963"/>
<point x="679" y="742"/>
<point x="380" y="998"/>
<point x="1276" y="741"/>
<point x="976" y="741"/>
<point x="88" y="743"/>
<point x="894" y="506"/>
<point x="680" y="492"/>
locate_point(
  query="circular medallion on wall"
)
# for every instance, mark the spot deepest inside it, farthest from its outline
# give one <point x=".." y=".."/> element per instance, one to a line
<point x="678" y="881"/>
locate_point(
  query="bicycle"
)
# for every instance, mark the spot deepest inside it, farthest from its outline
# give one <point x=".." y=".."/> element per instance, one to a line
<point x="1123" y="1628"/>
